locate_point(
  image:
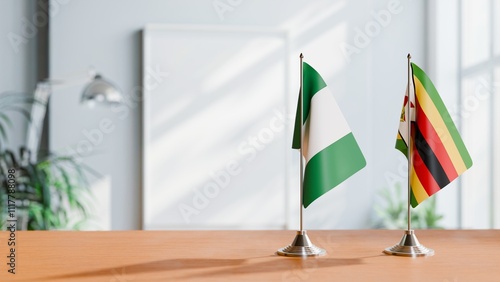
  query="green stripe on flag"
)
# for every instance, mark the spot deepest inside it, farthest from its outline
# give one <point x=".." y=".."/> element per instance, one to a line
<point x="413" y="200"/>
<point x="401" y="146"/>
<point x="331" y="166"/>
<point x="436" y="100"/>
<point x="296" y="129"/>
<point x="312" y="83"/>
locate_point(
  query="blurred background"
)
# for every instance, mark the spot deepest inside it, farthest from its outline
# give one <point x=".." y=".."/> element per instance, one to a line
<point x="202" y="136"/>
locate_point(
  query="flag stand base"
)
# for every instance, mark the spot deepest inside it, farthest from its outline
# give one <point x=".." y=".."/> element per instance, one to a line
<point x="409" y="247"/>
<point x="301" y="247"/>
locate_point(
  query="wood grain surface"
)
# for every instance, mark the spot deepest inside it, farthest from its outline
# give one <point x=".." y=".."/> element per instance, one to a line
<point x="353" y="255"/>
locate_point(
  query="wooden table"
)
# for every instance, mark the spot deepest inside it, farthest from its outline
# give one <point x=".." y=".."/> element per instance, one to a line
<point x="461" y="255"/>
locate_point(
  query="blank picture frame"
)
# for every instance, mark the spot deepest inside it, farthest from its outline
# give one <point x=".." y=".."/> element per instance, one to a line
<point x="216" y="127"/>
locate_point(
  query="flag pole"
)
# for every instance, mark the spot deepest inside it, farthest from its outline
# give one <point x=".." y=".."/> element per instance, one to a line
<point x="409" y="246"/>
<point x="301" y="245"/>
<point x="301" y="156"/>
<point x="408" y="152"/>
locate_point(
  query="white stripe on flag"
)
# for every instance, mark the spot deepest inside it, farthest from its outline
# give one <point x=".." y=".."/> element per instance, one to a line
<point x="403" y="125"/>
<point x="324" y="125"/>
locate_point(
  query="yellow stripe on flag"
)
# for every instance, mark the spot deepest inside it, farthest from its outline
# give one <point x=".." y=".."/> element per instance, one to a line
<point x="437" y="121"/>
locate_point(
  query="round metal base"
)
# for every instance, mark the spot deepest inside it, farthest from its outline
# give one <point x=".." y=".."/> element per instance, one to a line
<point x="409" y="247"/>
<point x="301" y="247"/>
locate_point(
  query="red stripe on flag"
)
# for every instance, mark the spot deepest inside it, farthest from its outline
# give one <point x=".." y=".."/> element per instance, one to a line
<point x="434" y="141"/>
<point x="424" y="175"/>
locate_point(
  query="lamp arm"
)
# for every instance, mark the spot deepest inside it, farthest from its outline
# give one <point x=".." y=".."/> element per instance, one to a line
<point x="98" y="87"/>
<point x="38" y="110"/>
<point x="57" y="83"/>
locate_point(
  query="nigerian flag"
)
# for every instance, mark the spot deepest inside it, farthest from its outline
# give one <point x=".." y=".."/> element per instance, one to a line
<point x="331" y="153"/>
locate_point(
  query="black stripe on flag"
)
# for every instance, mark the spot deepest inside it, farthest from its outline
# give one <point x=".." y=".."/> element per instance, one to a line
<point x="429" y="158"/>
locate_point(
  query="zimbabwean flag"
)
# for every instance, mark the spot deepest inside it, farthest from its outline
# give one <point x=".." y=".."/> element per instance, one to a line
<point x="438" y="152"/>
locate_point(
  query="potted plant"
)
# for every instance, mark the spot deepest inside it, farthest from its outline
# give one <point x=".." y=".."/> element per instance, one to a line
<point x="49" y="193"/>
<point x="392" y="214"/>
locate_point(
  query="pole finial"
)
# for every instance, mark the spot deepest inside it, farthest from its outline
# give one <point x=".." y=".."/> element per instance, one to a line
<point x="409" y="56"/>
<point x="301" y="56"/>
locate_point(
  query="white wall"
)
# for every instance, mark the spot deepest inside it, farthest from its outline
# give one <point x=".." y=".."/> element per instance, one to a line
<point x="444" y="69"/>
<point x="369" y="86"/>
<point x="468" y="90"/>
<point x="17" y="58"/>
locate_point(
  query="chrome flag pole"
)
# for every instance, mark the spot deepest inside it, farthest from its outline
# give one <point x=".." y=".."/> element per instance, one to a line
<point x="409" y="245"/>
<point x="301" y="245"/>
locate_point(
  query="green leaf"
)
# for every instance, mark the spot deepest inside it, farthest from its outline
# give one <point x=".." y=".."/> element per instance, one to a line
<point x="22" y="111"/>
<point x="6" y="119"/>
<point x="56" y="186"/>
<point x="3" y="134"/>
<point x="393" y="212"/>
